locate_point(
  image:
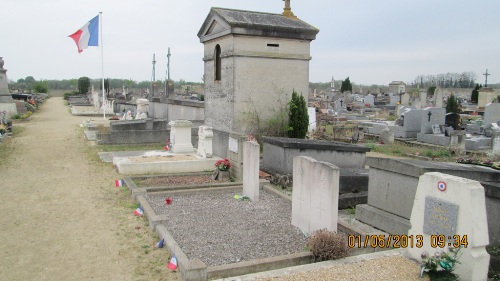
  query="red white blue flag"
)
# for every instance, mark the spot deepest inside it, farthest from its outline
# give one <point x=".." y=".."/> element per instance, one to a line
<point x="118" y="183"/>
<point x="173" y="263"/>
<point x="87" y="35"/>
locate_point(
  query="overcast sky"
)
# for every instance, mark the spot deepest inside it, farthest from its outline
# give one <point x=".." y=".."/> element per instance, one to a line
<point x="372" y="42"/>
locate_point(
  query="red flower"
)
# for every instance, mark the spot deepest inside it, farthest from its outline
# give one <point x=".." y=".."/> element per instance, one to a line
<point x="168" y="201"/>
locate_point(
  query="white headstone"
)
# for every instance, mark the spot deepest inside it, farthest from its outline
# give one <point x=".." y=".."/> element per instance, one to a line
<point x="438" y="97"/>
<point x="142" y="108"/>
<point x="370" y="100"/>
<point x="453" y="209"/>
<point x="312" y="118"/>
<point x="405" y="99"/>
<point x="315" y="194"/>
<point x="251" y="158"/>
<point x="205" y="136"/>
<point x="423" y="98"/>
<point x="180" y="136"/>
<point x="491" y="114"/>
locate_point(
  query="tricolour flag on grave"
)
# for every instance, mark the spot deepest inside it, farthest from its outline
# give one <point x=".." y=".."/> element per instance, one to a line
<point x="118" y="183"/>
<point x="138" y="212"/>
<point x="87" y="35"/>
<point x="173" y="263"/>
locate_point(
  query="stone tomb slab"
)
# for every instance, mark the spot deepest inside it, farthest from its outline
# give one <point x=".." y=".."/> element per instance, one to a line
<point x="440" y="217"/>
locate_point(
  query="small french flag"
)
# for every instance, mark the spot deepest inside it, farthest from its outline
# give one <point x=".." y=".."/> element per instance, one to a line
<point x="118" y="183"/>
<point x="173" y="263"/>
<point x="138" y="212"/>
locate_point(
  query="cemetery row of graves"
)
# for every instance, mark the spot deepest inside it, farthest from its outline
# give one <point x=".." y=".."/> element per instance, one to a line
<point x="383" y="196"/>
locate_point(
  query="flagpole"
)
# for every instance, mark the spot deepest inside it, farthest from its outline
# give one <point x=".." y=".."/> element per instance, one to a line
<point x="102" y="65"/>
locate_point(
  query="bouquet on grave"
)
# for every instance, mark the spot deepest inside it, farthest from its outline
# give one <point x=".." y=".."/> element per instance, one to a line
<point x="440" y="266"/>
<point x="223" y="164"/>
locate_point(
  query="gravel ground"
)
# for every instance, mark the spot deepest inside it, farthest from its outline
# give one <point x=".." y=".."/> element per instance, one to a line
<point x="396" y="268"/>
<point x="218" y="229"/>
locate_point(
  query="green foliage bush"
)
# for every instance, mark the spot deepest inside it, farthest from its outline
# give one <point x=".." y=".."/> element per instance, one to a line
<point x="40" y="87"/>
<point x="30" y="107"/>
<point x="328" y="245"/>
<point x="298" y="117"/>
<point x="83" y="85"/>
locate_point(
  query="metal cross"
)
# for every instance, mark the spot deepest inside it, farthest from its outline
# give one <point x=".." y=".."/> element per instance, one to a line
<point x="429" y="114"/>
<point x="486" y="82"/>
<point x="168" y="64"/>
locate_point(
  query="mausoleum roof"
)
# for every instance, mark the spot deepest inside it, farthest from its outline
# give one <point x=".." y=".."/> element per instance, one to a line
<point x="254" y="23"/>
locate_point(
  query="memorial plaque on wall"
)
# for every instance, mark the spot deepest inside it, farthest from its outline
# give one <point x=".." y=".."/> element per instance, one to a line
<point x="233" y="145"/>
<point x="440" y="217"/>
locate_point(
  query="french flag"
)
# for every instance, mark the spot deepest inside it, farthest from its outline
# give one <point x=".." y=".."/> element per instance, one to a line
<point x="173" y="263"/>
<point x="118" y="183"/>
<point x="87" y="35"/>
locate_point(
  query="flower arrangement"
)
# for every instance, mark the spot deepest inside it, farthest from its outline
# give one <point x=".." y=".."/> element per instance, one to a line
<point x="223" y="164"/>
<point x="440" y="266"/>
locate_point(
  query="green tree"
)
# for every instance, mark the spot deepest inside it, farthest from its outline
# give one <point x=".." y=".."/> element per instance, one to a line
<point x="475" y="94"/>
<point x="346" y="85"/>
<point x="431" y="90"/>
<point x="298" y="118"/>
<point x="452" y="106"/>
<point x="40" y="87"/>
<point x="83" y="85"/>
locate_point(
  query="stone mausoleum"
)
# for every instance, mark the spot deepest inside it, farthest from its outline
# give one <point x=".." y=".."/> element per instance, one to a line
<point x="252" y="60"/>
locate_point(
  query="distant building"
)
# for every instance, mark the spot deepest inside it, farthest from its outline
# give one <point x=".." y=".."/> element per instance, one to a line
<point x="397" y="87"/>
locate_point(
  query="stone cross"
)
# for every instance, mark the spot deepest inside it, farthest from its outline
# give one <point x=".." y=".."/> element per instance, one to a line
<point x="486" y="81"/>
<point x="429" y="114"/>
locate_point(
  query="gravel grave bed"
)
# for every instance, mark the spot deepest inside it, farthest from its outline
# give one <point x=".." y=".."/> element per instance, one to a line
<point x="176" y="180"/>
<point x="219" y="229"/>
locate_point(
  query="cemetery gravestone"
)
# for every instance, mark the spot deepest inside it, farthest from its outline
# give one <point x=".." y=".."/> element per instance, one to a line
<point x="369" y="100"/>
<point x="205" y="136"/>
<point x="450" y="211"/>
<point x="386" y="136"/>
<point x="438" y="98"/>
<point x="423" y="98"/>
<point x="405" y="99"/>
<point x="491" y="114"/>
<point x="316" y="195"/>
<point x="251" y="157"/>
<point x="142" y="109"/>
<point x="180" y="136"/>
<point x="485" y="97"/>
<point x="312" y="118"/>
<point x="431" y="116"/>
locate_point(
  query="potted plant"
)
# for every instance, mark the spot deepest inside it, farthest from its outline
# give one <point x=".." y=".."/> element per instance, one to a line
<point x="440" y="266"/>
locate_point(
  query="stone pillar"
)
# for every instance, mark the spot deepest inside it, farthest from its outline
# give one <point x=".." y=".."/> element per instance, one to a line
<point x="205" y="136"/>
<point x="451" y="211"/>
<point x="251" y="159"/>
<point x="315" y="195"/>
<point x="180" y="136"/>
<point x="6" y="102"/>
<point x="495" y="142"/>
<point x="457" y="142"/>
<point x="142" y="109"/>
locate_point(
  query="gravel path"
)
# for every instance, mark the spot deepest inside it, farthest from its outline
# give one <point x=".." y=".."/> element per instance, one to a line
<point x="218" y="229"/>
